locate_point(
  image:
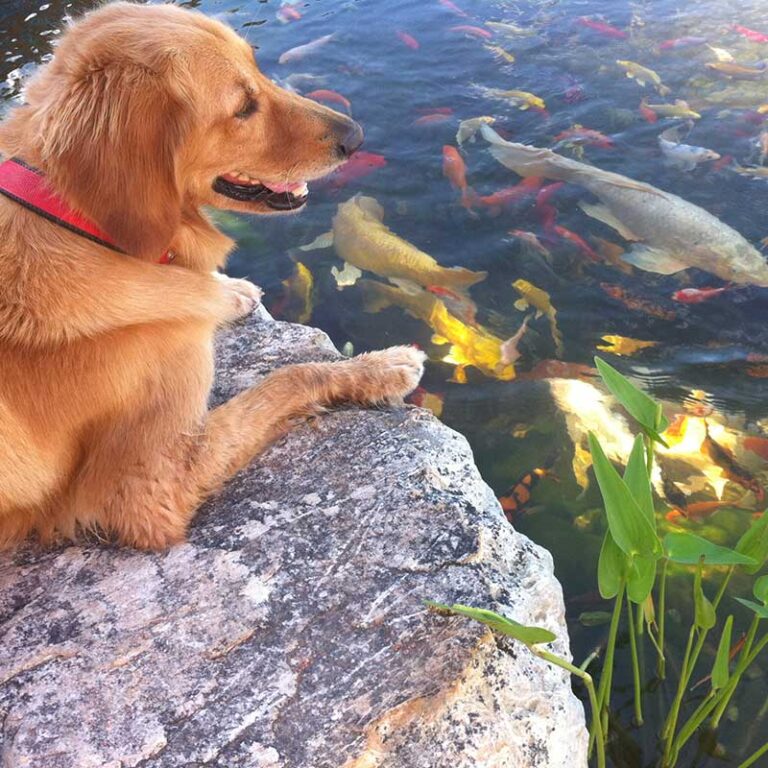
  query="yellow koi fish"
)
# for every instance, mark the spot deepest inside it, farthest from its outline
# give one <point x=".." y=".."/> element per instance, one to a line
<point x="521" y="99"/>
<point x="473" y="346"/>
<point x="624" y="346"/>
<point x="296" y="304"/>
<point x="361" y="238"/>
<point x="540" y="301"/>
<point x="642" y="75"/>
<point x="468" y="128"/>
<point x="679" y="109"/>
<point x="500" y="53"/>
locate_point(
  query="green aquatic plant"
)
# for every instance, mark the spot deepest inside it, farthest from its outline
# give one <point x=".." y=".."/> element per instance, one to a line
<point x="632" y="571"/>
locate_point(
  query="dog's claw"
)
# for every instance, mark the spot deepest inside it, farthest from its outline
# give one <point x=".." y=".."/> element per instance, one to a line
<point x="243" y="295"/>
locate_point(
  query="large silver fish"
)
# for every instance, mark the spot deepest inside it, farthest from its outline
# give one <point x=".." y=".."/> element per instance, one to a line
<point x="671" y="233"/>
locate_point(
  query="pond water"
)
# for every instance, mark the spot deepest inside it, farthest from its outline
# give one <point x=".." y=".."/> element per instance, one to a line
<point x="411" y="72"/>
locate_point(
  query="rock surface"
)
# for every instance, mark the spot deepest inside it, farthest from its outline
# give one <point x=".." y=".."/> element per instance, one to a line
<point x="289" y="631"/>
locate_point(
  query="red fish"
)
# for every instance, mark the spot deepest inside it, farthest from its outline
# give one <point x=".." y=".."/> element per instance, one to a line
<point x="723" y="162"/>
<point x="288" y="13"/>
<point x="433" y="119"/>
<point x="510" y="195"/>
<point x="697" y="295"/>
<point x="458" y="304"/>
<point x="435" y="110"/>
<point x="602" y="28"/>
<point x="558" y="369"/>
<point x="326" y="95"/>
<point x="682" y="42"/>
<point x="472" y="31"/>
<point x="547" y="215"/>
<point x="453" y="8"/>
<point x="699" y="510"/>
<point x="545" y="193"/>
<point x="758" y="445"/>
<point x="357" y="167"/>
<point x="648" y="114"/>
<point x="750" y="34"/>
<point x="455" y="171"/>
<point x="409" y="40"/>
<point x="578" y="241"/>
<point x="580" y="135"/>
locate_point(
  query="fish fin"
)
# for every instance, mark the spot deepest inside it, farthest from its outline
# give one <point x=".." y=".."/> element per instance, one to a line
<point x="653" y="260"/>
<point x="371" y="206"/>
<point x="346" y="276"/>
<point x="321" y="241"/>
<point x="641" y="82"/>
<point x="538" y="314"/>
<point x="375" y="296"/>
<point x="460" y="277"/>
<point x="602" y="213"/>
<point x="459" y="375"/>
<point x="521" y="304"/>
<point x="439" y="340"/>
<point x="406" y="286"/>
<point x="663" y="90"/>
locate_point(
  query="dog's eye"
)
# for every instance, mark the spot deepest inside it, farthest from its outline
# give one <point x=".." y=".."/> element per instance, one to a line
<point x="247" y="109"/>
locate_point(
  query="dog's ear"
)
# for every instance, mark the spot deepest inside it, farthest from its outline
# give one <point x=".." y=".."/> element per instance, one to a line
<point x="110" y="143"/>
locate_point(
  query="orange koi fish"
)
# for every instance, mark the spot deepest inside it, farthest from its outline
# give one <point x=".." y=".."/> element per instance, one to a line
<point x="332" y="96"/>
<point x="472" y="31"/>
<point x="408" y="40"/>
<point x="731" y="469"/>
<point x="636" y="303"/>
<point x="578" y="241"/>
<point x="514" y="500"/>
<point x="432" y="119"/>
<point x="455" y="171"/>
<point x="588" y="136"/>
<point x="509" y="195"/>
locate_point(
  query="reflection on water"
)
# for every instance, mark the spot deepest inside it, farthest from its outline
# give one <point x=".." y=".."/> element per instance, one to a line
<point x="672" y="93"/>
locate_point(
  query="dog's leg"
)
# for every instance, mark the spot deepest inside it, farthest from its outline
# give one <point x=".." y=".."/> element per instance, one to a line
<point x="156" y="489"/>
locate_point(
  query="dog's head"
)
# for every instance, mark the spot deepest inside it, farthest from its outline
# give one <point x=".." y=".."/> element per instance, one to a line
<point x="147" y="110"/>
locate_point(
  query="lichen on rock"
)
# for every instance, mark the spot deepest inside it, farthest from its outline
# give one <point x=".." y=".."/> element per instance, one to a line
<point x="289" y="631"/>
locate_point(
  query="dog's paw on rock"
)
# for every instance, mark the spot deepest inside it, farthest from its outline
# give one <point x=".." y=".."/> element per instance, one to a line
<point x="243" y="295"/>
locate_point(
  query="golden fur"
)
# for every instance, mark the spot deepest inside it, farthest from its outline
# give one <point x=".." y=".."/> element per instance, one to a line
<point x="106" y="360"/>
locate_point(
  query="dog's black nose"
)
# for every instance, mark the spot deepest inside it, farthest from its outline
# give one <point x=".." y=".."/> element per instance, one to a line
<point x="350" y="138"/>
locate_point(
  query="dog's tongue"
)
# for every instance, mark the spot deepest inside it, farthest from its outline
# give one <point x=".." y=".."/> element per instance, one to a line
<point x="289" y="187"/>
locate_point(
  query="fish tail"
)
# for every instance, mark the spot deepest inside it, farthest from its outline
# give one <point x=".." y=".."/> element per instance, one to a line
<point x="376" y="297"/>
<point x="460" y="277"/>
<point x="469" y="198"/>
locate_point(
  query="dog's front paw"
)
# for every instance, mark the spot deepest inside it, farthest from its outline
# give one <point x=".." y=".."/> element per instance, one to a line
<point x="242" y="295"/>
<point x="389" y="374"/>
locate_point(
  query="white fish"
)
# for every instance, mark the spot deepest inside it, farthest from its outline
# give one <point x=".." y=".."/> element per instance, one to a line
<point x="675" y="234"/>
<point x="298" y="81"/>
<point x="301" y="51"/>
<point x="468" y="128"/>
<point x="721" y="54"/>
<point x="684" y="157"/>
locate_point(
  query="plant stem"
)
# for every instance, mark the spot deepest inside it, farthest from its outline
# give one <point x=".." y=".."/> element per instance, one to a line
<point x="635" y="665"/>
<point x="671" y="723"/>
<point x="606" y="676"/>
<point x="596" y="729"/>
<point x="752" y="759"/>
<point x="701" y="713"/>
<point x="661" y="666"/>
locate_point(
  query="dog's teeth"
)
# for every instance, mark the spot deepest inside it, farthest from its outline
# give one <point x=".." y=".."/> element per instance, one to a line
<point x="301" y="191"/>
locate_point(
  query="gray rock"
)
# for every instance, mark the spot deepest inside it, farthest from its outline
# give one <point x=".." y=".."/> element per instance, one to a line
<point x="289" y="632"/>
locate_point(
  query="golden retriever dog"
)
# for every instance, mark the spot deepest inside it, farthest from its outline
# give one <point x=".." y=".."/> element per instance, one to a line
<point x="145" y="115"/>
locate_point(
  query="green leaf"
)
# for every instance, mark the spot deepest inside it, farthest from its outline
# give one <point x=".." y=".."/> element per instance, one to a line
<point x="594" y="618"/>
<point x="497" y="622"/>
<point x="641" y="578"/>
<point x="638" y="482"/>
<point x="754" y="543"/>
<point x="760" y="589"/>
<point x="720" y="672"/>
<point x="611" y="568"/>
<point x="760" y="610"/>
<point x="628" y="524"/>
<point x="704" y="616"/>
<point x="644" y="409"/>
<point x="683" y="547"/>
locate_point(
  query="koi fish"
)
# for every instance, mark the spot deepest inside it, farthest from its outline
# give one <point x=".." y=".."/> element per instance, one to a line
<point x="521" y="99"/>
<point x="514" y="500"/>
<point x="433" y="119"/>
<point x="453" y="8"/>
<point x="500" y="53"/>
<point x="510" y="353"/>
<point x="642" y="75"/>
<point x="302" y="51"/>
<point x="751" y="34"/>
<point x="432" y="401"/>
<point x="624" y="346"/>
<point x="476" y="347"/>
<point x="300" y="80"/>
<point x="408" y="40"/>
<point x="757" y="445"/>
<point x="509" y="195"/>
<point x="666" y="223"/>
<point x="721" y="54"/>
<point x="360" y="165"/>
<point x="472" y="31"/>
<point x="296" y="304"/>
<point x="332" y="96"/>
<point x="468" y="128"/>
<point x="435" y="110"/>
<point x="724" y="459"/>
<point x="455" y="171"/>
<point x="734" y="71"/>
<point x="698" y="510"/>
<point x="535" y="297"/>
<point x="531" y="241"/>
<point x="360" y="237"/>
<point x="578" y="134"/>
<point x="756" y="172"/>
<point x="697" y="295"/>
<point x="458" y="304"/>
<point x="578" y="241"/>
<point x="509" y="29"/>
<point x="558" y="369"/>
<point x="604" y="29"/>
<point x="613" y="254"/>
<point x="679" y="109"/>
<point x="637" y="304"/>
<point x="684" y="157"/>
<point x="287" y="13"/>
<point x="544" y="195"/>
<point x="648" y="114"/>
<point x="677" y="43"/>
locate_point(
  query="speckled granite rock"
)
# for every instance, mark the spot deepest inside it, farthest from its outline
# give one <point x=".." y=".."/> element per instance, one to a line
<point x="289" y="632"/>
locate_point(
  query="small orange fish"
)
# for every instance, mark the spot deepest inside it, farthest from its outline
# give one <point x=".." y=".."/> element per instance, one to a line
<point x="558" y="369"/>
<point x="408" y="40"/>
<point x="432" y="119"/>
<point x="288" y="13"/>
<point x="578" y="241"/>
<point x="648" y="114"/>
<point x="588" y="136"/>
<point x="514" y="500"/>
<point x="453" y="8"/>
<point x="510" y="195"/>
<point x="696" y="295"/>
<point x="455" y="171"/>
<point x="332" y="96"/>
<point x="472" y="31"/>
<point x="698" y="510"/>
<point x="636" y="303"/>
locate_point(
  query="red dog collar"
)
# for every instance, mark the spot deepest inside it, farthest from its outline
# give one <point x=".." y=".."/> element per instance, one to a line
<point x="27" y="186"/>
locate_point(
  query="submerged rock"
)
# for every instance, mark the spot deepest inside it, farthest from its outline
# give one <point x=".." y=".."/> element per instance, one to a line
<point x="289" y="632"/>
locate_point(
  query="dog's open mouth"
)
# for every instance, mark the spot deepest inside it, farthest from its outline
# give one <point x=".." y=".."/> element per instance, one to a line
<point x="279" y="197"/>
